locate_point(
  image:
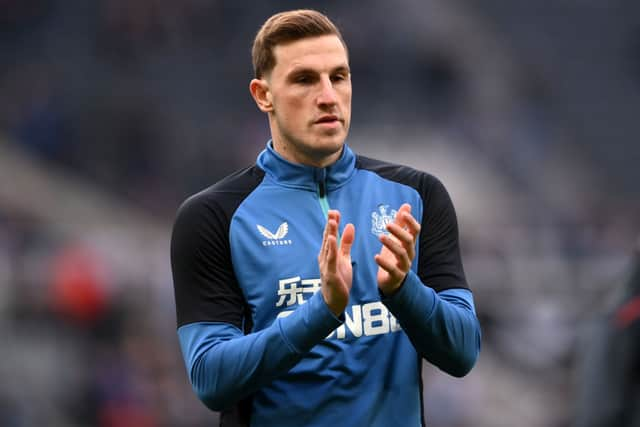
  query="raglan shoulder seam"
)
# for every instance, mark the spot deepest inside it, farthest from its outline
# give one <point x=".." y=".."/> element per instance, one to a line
<point x="419" y="180"/>
<point x="201" y="229"/>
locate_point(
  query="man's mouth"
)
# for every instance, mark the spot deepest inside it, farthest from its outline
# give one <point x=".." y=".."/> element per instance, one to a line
<point x="329" y="118"/>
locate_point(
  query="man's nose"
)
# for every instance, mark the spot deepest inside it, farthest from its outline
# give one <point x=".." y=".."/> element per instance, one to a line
<point x="327" y="94"/>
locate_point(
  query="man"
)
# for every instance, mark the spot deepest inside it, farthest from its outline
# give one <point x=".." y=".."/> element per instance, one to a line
<point x="273" y="335"/>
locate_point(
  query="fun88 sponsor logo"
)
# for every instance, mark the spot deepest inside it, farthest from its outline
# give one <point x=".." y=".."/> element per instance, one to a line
<point x="368" y="319"/>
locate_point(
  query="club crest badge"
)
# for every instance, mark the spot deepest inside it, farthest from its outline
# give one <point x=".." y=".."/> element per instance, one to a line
<point x="381" y="218"/>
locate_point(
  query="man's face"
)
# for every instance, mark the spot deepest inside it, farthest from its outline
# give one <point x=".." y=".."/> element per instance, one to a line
<point x="310" y="92"/>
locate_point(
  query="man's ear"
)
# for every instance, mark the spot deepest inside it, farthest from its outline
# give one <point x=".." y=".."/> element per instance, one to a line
<point x="259" y="89"/>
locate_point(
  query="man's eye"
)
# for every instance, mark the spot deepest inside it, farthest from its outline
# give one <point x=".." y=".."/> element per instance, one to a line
<point x="303" y="79"/>
<point x="338" y="77"/>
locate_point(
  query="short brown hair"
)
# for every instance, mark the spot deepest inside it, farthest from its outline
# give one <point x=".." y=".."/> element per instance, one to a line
<point x="286" y="27"/>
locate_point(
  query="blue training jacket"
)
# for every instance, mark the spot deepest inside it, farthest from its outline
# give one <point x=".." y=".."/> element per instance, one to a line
<point x="258" y="340"/>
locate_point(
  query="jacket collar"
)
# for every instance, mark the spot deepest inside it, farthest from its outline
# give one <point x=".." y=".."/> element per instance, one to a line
<point x="308" y="177"/>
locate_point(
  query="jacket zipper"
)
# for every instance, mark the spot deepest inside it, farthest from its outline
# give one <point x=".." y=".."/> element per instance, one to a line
<point x="322" y="198"/>
<point x="324" y="203"/>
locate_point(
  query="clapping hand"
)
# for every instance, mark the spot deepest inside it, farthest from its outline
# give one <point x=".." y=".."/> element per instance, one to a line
<point x="398" y="250"/>
<point x="334" y="261"/>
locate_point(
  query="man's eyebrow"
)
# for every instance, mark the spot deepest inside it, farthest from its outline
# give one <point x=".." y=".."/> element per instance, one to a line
<point x="341" y="69"/>
<point x="301" y="70"/>
<point x="306" y="70"/>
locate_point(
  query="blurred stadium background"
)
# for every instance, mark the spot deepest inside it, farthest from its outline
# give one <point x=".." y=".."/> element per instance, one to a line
<point x="113" y="111"/>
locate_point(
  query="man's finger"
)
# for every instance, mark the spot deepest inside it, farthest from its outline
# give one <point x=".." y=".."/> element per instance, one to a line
<point x="406" y="207"/>
<point x="400" y="233"/>
<point x="412" y="225"/>
<point x="401" y="215"/>
<point x="333" y="214"/>
<point x="348" y="236"/>
<point x="389" y="266"/>
<point x="325" y="233"/>
<point x="405" y="220"/>
<point x="332" y="233"/>
<point x="403" y="258"/>
<point x="332" y="254"/>
<point x="331" y="229"/>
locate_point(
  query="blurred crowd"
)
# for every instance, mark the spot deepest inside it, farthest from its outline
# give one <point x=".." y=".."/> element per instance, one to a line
<point x="148" y="102"/>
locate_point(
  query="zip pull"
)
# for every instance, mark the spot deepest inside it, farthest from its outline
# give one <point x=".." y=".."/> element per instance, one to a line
<point x="322" y="198"/>
<point x="321" y="189"/>
<point x="320" y="176"/>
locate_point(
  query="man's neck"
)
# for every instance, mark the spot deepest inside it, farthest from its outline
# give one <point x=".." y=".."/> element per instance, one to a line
<point x="319" y="161"/>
